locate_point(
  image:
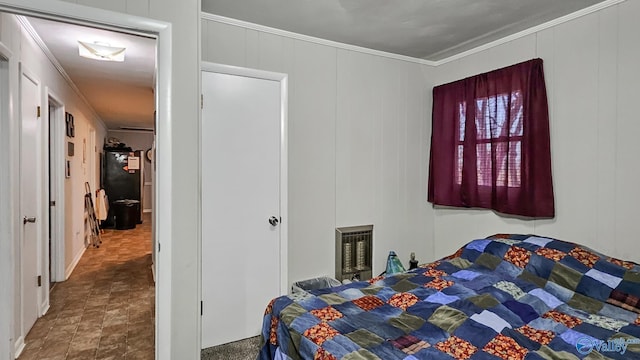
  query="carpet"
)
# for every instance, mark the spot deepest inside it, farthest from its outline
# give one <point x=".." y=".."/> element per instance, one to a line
<point x="246" y="349"/>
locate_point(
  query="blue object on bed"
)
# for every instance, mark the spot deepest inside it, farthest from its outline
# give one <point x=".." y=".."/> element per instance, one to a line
<point x="504" y="297"/>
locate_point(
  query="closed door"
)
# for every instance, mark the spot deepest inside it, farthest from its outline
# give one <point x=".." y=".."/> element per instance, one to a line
<point x="241" y="234"/>
<point x="29" y="175"/>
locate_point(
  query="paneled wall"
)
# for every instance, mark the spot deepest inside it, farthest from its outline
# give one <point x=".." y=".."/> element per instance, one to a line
<point x="375" y="147"/>
<point x="132" y="7"/>
<point x="380" y="145"/>
<point x="591" y="75"/>
<point x="357" y="143"/>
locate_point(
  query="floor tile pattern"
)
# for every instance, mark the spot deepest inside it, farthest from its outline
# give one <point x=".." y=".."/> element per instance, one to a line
<point x="106" y="309"/>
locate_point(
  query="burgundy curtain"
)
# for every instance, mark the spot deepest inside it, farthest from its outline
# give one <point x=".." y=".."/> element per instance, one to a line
<point x="490" y="143"/>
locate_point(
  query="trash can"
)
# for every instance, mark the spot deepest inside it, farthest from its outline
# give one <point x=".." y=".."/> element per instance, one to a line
<point x="126" y="212"/>
<point x="314" y="284"/>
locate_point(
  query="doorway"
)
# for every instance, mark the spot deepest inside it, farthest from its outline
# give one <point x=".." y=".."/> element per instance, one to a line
<point x="44" y="250"/>
<point x="243" y="199"/>
<point x="56" y="203"/>
<point x="10" y="130"/>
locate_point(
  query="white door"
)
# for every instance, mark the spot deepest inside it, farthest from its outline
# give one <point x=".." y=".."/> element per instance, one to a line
<point x="29" y="195"/>
<point x="241" y="191"/>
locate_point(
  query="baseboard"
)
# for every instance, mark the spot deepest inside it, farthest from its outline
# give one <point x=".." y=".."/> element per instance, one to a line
<point x="74" y="263"/>
<point x="18" y="347"/>
<point x="44" y="308"/>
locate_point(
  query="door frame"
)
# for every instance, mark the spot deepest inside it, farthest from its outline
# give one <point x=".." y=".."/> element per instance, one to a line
<point x="284" y="121"/>
<point x="41" y="221"/>
<point x="56" y="147"/>
<point x="8" y="183"/>
<point x="89" y="153"/>
<point x="109" y="20"/>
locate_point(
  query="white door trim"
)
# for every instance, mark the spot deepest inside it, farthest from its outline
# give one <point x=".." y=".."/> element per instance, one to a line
<point x="283" y="79"/>
<point x="9" y="210"/>
<point x="61" y="10"/>
<point x="58" y="138"/>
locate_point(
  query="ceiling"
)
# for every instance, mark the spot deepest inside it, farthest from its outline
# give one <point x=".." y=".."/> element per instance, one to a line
<point x="121" y="93"/>
<point x="427" y="29"/>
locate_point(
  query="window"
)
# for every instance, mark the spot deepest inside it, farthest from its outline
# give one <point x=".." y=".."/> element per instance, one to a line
<point x="490" y="143"/>
<point x="499" y="122"/>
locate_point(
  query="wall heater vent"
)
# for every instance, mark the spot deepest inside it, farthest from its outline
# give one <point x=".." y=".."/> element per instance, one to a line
<point x="354" y="252"/>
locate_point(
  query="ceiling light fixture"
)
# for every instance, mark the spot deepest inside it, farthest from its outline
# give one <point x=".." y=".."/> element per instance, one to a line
<point x="136" y="128"/>
<point x="101" y="51"/>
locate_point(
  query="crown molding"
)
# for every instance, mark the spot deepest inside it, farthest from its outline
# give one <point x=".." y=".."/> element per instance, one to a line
<point x="339" y="45"/>
<point x="312" y="39"/>
<point x="26" y="25"/>
<point x="531" y="30"/>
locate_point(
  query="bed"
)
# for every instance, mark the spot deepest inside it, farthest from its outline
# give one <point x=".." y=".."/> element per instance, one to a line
<point x="503" y="297"/>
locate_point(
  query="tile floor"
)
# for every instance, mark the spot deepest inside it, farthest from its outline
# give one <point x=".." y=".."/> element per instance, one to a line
<point x="106" y="309"/>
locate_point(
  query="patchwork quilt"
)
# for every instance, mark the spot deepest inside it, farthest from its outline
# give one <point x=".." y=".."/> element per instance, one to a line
<point x="504" y="297"/>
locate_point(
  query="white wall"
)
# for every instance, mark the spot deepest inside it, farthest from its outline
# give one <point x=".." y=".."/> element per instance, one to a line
<point x="35" y="62"/>
<point x="591" y="75"/>
<point x="367" y="162"/>
<point x="357" y="143"/>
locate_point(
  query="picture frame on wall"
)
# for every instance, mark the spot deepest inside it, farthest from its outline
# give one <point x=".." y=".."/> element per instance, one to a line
<point x="67" y="171"/>
<point x="70" y="127"/>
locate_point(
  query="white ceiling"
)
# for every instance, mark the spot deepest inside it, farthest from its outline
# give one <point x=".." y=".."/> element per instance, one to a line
<point x="121" y="93"/>
<point x="428" y="29"/>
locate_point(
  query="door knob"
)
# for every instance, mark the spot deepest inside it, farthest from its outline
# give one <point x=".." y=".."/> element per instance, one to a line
<point x="28" y="220"/>
<point x="273" y="221"/>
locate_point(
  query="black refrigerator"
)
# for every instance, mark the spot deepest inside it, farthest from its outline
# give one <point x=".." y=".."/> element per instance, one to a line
<point x="121" y="179"/>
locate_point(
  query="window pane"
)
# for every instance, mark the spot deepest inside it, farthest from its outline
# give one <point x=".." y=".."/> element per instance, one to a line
<point x="500" y="116"/>
<point x="508" y="160"/>
<point x="507" y="163"/>
<point x="502" y="167"/>
<point x="462" y="111"/>
<point x="497" y="117"/>
<point x="493" y="113"/>
<point x="515" y="159"/>
<point x="459" y="161"/>
<point x="516" y="114"/>
<point x="483" y="164"/>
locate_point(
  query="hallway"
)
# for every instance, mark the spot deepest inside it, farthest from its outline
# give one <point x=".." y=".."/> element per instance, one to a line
<point x="106" y="309"/>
